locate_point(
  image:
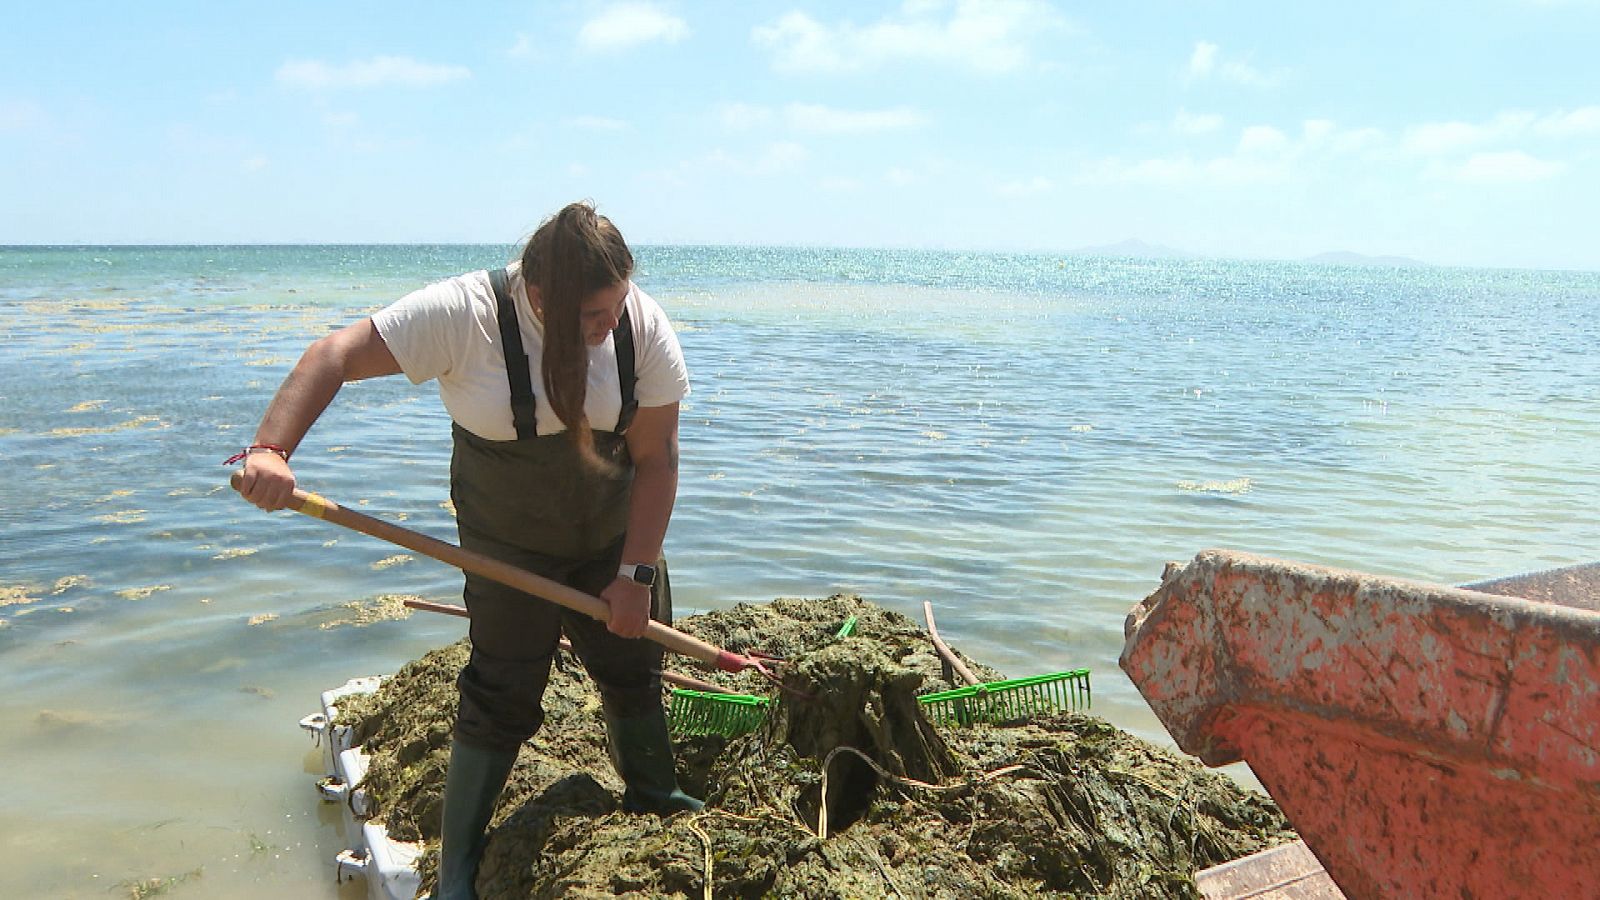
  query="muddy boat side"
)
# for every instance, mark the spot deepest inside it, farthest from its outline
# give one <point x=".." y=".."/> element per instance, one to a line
<point x="1425" y="740"/>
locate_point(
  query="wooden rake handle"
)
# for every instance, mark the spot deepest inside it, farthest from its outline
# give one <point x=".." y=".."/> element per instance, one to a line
<point x="672" y="678"/>
<point x="945" y="652"/>
<point x="319" y="507"/>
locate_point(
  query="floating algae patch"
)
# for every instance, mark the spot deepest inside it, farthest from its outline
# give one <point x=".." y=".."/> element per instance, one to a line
<point x="382" y="608"/>
<point x="55" y="308"/>
<point x="138" y="422"/>
<point x="1063" y="805"/>
<point x="68" y="582"/>
<point x="62" y="721"/>
<point x="1236" y="486"/>
<point x="16" y="594"/>
<point x="391" y="561"/>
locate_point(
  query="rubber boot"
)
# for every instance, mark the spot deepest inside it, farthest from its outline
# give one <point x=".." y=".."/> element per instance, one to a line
<point x="641" y="750"/>
<point x="471" y="786"/>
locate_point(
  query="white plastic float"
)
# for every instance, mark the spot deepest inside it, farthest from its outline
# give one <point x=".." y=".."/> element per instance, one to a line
<point x="387" y="865"/>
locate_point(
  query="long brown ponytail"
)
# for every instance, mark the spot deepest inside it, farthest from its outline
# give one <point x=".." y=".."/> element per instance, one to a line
<point x="573" y="254"/>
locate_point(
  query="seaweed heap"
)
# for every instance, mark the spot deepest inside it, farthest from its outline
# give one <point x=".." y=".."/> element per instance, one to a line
<point x="1064" y="805"/>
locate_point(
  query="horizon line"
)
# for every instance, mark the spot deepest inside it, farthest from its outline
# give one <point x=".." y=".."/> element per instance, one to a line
<point x="1164" y="254"/>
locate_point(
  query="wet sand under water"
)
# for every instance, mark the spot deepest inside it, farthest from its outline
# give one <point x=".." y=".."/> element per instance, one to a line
<point x="1060" y="805"/>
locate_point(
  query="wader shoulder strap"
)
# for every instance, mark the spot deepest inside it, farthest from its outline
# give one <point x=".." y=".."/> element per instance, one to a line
<point x="622" y="339"/>
<point x="523" y="406"/>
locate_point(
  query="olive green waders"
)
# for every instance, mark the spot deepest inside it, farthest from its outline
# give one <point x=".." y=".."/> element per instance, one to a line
<point x="533" y="503"/>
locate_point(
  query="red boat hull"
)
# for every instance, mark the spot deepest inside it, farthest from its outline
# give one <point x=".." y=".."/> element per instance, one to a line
<point x="1426" y="741"/>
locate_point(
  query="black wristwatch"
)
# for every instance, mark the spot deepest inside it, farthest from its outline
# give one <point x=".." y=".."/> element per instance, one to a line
<point x="638" y="572"/>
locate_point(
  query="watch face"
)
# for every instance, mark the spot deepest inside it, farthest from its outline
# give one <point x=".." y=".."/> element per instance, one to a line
<point x="645" y="575"/>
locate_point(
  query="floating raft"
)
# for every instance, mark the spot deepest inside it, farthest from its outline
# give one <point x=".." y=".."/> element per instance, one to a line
<point x="387" y="865"/>
<point x="1425" y="741"/>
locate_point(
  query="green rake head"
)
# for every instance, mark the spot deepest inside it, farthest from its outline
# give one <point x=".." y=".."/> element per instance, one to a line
<point x="1007" y="701"/>
<point x="728" y="715"/>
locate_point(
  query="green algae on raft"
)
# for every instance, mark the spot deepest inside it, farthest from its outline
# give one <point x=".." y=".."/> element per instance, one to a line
<point x="1060" y="806"/>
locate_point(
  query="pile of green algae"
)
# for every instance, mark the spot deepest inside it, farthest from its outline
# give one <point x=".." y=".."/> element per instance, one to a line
<point x="1063" y="805"/>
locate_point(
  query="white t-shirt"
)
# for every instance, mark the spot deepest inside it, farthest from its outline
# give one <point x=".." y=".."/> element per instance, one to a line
<point x="449" y="331"/>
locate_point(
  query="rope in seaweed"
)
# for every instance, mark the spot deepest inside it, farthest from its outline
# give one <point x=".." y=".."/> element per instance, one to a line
<point x="705" y="839"/>
<point x="822" y="811"/>
<point x="705" y="842"/>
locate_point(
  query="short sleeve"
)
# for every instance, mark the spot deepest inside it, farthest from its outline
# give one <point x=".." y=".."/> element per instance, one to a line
<point x="425" y="329"/>
<point x="663" y="377"/>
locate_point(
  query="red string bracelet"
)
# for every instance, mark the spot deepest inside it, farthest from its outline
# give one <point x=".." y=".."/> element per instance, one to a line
<point x="257" y="448"/>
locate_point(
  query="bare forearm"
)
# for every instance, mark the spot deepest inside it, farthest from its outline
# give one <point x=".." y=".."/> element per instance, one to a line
<point x="655" y="488"/>
<point x="354" y="352"/>
<point x="302" y="397"/>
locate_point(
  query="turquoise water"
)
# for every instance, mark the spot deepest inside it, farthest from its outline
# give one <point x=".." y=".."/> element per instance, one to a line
<point x="1021" y="440"/>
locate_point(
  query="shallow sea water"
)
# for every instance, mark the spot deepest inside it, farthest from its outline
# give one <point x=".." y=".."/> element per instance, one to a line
<point x="1024" y="441"/>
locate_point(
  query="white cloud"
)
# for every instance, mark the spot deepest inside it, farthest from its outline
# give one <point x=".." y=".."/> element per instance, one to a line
<point x="1453" y="151"/>
<point x="1436" y="138"/>
<point x="989" y="36"/>
<point x="1262" y="140"/>
<point x="598" y="123"/>
<point x="744" y="116"/>
<point x="1443" y="139"/>
<point x="774" y="159"/>
<point x="1184" y="171"/>
<point x="1027" y="187"/>
<point x="1186" y="122"/>
<point x="1206" y="62"/>
<point x="1569" y="124"/>
<point x="1507" y="167"/>
<point x="1440" y="137"/>
<point x="1264" y="154"/>
<point x="522" y="48"/>
<point x="625" y="25"/>
<point x="803" y="44"/>
<point x="253" y="164"/>
<point x="380" y="71"/>
<point x="1316" y="131"/>
<point x="780" y="157"/>
<point x="1357" y="140"/>
<point x="1244" y="73"/>
<point x="815" y="119"/>
<point x="900" y="177"/>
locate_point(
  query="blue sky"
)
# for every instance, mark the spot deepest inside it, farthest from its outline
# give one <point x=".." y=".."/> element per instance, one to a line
<point x="1463" y="133"/>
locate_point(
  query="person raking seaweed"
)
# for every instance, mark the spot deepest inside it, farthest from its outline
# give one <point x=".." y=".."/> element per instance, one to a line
<point x="575" y="482"/>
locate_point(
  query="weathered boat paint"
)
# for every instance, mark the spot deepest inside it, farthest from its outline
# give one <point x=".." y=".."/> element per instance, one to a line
<point x="1425" y="740"/>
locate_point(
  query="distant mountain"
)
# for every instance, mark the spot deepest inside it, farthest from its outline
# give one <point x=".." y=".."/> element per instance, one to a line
<point x="1346" y="258"/>
<point x="1133" y="247"/>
